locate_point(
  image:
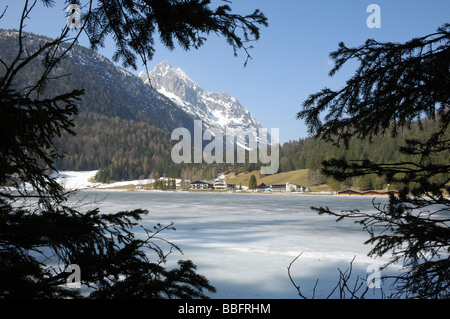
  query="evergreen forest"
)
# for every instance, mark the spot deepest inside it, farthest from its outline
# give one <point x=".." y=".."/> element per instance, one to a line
<point x="129" y="150"/>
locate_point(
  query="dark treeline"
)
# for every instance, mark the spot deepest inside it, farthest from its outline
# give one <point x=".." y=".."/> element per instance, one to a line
<point x="310" y="153"/>
<point x="120" y="149"/>
<point x="127" y="150"/>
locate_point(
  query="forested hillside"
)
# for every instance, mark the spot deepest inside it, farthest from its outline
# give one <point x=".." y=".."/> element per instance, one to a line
<point x="122" y="149"/>
<point x="125" y="150"/>
<point x="128" y="150"/>
<point x="310" y="153"/>
<point x="108" y="89"/>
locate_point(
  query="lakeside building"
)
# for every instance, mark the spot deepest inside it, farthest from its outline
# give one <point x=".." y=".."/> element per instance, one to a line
<point x="395" y="193"/>
<point x="287" y="187"/>
<point x="223" y="186"/>
<point x="216" y="185"/>
<point x="261" y="187"/>
<point x="201" y="185"/>
<point x="278" y="187"/>
<point x="371" y="193"/>
<point x="351" y="192"/>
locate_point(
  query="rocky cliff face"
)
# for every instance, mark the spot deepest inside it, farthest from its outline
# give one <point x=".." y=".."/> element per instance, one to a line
<point x="216" y="110"/>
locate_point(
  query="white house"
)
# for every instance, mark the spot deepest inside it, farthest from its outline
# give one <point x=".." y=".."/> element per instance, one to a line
<point x="201" y="185"/>
<point x="223" y="186"/>
<point x="287" y="187"/>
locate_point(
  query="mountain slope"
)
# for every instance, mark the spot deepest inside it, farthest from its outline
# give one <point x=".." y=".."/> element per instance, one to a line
<point x="123" y="127"/>
<point x="109" y="90"/>
<point x="175" y="101"/>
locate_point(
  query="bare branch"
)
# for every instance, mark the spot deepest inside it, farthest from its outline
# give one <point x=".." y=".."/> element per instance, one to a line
<point x="4" y="11"/>
<point x="346" y="291"/>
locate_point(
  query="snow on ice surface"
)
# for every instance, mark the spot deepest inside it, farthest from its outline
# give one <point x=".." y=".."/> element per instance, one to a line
<point x="243" y="243"/>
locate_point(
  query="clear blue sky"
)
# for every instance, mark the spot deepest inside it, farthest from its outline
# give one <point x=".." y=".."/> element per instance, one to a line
<point x="291" y="60"/>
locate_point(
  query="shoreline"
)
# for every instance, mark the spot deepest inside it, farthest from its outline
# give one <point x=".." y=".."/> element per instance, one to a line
<point x="121" y="189"/>
<point x="82" y="181"/>
<point x="322" y="193"/>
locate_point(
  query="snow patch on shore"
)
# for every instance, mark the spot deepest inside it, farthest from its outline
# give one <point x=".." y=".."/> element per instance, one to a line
<point x="76" y="180"/>
<point x="73" y="180"/>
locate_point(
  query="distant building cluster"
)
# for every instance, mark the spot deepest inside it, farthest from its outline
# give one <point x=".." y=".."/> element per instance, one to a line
<point x="220" y="185"/>
<point x="261" y="187"/>
<point x="286" y="187"/>
<point x="216" y="185"/>
<point x="351" y="192"/>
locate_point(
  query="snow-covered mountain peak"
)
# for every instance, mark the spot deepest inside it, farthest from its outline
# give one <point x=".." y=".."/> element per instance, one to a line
<point x="219" y="110"/>
<point x="165" y="70"/>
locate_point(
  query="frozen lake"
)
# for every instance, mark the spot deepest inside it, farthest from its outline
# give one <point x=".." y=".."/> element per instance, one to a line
<point x="243" y="243"/>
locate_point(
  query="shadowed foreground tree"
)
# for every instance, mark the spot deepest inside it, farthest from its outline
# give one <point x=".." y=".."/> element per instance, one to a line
<point x="41" y="231"/>
<point x="394" y="87"/>
<point x="133" y="24"/>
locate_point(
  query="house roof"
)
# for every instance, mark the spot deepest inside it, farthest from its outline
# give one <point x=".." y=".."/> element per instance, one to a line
<point x="350" y="191"/>
<point x="201" y="182"/>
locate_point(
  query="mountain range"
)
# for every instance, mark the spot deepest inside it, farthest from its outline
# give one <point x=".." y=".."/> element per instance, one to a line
<point x="215" y="110"/>
<point x="173" y="100"/>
